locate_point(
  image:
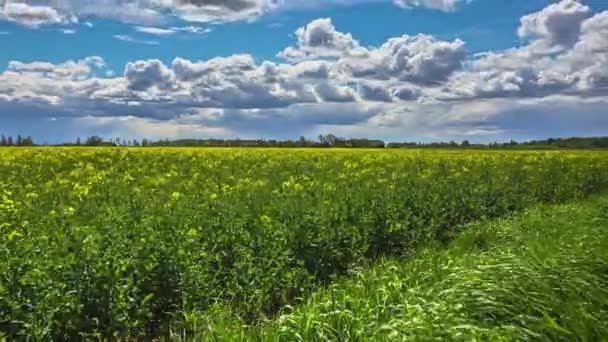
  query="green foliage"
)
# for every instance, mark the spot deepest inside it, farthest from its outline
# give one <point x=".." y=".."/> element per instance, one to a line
<point x="542" y="277"/>
<point x="109" y="242"/>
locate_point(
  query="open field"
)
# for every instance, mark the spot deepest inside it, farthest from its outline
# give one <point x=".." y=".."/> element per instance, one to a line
<point x="156" y="242"/>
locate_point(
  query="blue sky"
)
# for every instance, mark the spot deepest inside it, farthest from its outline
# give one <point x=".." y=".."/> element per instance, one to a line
<point x="400" y="70"/>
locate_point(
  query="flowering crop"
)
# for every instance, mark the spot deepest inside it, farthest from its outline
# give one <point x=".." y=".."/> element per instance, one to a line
<point x="114" y="242"/>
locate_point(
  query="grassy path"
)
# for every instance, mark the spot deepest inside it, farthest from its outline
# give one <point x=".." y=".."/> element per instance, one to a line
<point x="542" y="275"/>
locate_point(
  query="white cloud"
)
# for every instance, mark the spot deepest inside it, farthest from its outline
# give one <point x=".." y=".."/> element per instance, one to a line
<point x="192" y="29"/>
<point x="320" y="39"/>
<point x="558" y="24"/>
<point x="443" y="5"/>
<point x="34" y="13"/>
<point x="43" y="12"/>
<point x="33" y="16"/>
<point x="374" y="92"/>
<point x="416" y="85"/>
<point x="222" y="10"/>
<point x="72" y="70"/>
<point x="127" y="38"/>
<point x="566" y="54"/>
<point x="155" y="30"/>
<point x="143" y="75"/>
<point x="141" y="128"/>
<point x="159" y="31"/>
<point x="417" y="59"/>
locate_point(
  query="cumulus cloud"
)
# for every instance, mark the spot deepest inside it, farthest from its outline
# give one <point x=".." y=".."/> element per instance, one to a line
<point x="222" y="10"/>
<point x="420" y="59"/>
<point x="73" y="70"/>
<point x="34" y="13"/>
<point x="374" y="92"/>
<point x="407" y="93"/>
<point x="143" y="75"/>
<point x="33" y="16"/>
<point x="558" y="24"/>
<point x="40" y="12"/>
<point x="332" y="93"/>
<point x="320" y="39"/>
<point x="234" y="65"/>
<point x="417" y="59"/>
<point x="327" y="80"/>
<point x="538" y="69"/>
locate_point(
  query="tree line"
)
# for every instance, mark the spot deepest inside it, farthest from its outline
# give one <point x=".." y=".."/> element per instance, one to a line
<point x="329" y="140"/>
<point x="18" y="141"/>
<point x="323" y="141"/>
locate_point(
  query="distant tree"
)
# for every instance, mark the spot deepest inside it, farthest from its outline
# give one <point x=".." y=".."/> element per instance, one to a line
<point x="465" y="143"/>
<point x="19" y="141"/>
<point x="78" y="142"/>
<point x="94" y="141"/>
<point x="3" y="141"/>
<point x="145" y="143"/>
<point x="27" y="141"/>
<point x="9" y="141"/>
<point x="329" y="140"/>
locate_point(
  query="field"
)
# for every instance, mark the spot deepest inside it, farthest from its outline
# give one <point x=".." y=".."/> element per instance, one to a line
<point x="198" y="243"/>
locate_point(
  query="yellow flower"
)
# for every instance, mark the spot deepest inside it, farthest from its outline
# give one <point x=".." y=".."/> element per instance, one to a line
<point x="192" y="233"/>
<point x="265" y="219"/>
<point x="69" y="211"/>
<point x="175" y="196"/>
<point x="14" y="235"/>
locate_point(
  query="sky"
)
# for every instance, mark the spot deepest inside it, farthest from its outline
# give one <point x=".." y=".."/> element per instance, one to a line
<point x="397" y="70"/>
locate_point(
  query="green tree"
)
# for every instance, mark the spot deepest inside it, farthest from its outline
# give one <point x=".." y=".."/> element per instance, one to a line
<point x="94" y="141"/>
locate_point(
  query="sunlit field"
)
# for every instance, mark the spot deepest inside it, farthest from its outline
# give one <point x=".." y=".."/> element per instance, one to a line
<point x="125" y="242"/>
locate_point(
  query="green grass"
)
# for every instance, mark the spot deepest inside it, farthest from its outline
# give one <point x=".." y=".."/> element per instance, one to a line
<point x="542" y="275"/>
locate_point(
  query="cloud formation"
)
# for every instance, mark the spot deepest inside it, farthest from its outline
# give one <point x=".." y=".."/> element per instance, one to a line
<point x="35" y="13"/>
<point x="159" y="31"/>
<point x="408" y="85"/>
<point x="443" y="5"/>
<point x="557" y="25"/>
<point x="33" y="16"/>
